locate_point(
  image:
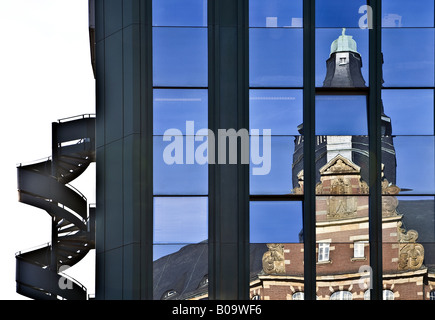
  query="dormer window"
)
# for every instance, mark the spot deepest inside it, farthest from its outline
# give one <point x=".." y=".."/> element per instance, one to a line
<point x="203" y="282"/>
<point x="168" y="294"/>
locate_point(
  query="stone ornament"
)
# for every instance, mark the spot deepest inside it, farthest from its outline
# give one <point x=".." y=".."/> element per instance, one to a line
<point x="273" y="260"/>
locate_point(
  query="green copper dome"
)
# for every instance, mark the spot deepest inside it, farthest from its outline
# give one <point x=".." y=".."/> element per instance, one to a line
<point x="343" y="43"/>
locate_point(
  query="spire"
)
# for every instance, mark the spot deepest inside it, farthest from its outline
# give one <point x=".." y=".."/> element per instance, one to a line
<point x="344" y="63"/>
<point x="343" y="43"/>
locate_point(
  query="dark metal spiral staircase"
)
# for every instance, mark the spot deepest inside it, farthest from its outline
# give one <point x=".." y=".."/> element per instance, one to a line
<point x="44" y="185"/>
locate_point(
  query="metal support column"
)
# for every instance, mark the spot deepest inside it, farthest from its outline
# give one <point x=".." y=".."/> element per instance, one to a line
<point x="309" y="220"/>
<point x="375" y="105"/>
<point x="228" y="183"/>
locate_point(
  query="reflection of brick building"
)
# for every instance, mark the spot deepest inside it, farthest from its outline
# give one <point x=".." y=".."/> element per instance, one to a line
<point x="342" y="223"/>
<point x="342" y="215"/>
<point x="342" y="250"/>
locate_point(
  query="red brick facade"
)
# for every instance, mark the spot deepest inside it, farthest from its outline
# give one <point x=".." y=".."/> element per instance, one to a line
<point x="342" y="230"/>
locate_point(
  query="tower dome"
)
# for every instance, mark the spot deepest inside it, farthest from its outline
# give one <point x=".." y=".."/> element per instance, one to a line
<point x="344" y="43"/>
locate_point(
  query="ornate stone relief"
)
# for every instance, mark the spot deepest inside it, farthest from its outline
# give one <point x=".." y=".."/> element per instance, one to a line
<point x="273" y="260"/>
<point x="411" y="253"/>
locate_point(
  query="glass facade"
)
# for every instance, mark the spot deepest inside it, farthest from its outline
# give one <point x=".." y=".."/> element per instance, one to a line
<point x="336" y="101"/>
<point x="180" y="173"/>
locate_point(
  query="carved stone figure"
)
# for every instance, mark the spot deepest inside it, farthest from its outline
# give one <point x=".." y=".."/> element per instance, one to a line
<point x="411" y="254"/>
<point x="273" y="260"/>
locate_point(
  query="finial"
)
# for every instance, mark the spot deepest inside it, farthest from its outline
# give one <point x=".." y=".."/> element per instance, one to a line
<point x="343" y="31"/>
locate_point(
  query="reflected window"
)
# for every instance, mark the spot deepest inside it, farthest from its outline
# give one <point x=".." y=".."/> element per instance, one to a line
<point x="170" y="294"/>
<point x="323" y="252"/>
<point x="386" y="295"/>
<point x="341" y="295"/>
<point x="298" y="296"/>
<point x="203" y="282"/>
<point x="358" y="249"/>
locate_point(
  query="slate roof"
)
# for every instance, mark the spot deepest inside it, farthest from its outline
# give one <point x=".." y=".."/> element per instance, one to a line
<point x="185" y="270"/>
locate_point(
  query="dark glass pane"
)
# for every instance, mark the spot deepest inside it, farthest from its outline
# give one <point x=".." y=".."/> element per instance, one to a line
<point x="180" y="220"/>
<point x="408" y="57"/>
<point x="275" y="13"/>
<point x="411" y="112"/>
<point x="180" y="56"/>
<point x="415" y="164"/>
<point x="179" y="168"/>
<point x="341" y="115"/>
<point x="275" y="57"/>
<point x="275" y="221"/>
<point x="180" y="272"/>
<point x="342" y="57"/>
<point x="273" y="175"/>
<point x="191" y="13"/>
<point x="278" y="110"/>
<point x="404" y="13"/>
<point x="173" y="107"/>
<point x="340" y="13"/>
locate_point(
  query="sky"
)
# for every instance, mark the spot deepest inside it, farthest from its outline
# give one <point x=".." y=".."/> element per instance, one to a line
<point x="45" y="75"/>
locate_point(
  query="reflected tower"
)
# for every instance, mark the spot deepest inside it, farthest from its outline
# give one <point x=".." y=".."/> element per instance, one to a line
<point x="343" y="70"/>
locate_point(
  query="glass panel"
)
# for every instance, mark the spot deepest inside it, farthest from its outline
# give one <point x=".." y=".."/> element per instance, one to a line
<point x="180" y="166"/>
<point x="404" y="13"/>
<point x="341" y="115"/>
<point x="408" y="57"/>
<point x="186" y="13"/>
<point x="275" y="57"/>
<point x="275" y="174"/>
<point x="277" y="270"/>
<point x="342" y="60"/>
<point x="411" y="112"/>
<point x="415" y="164"/>
<point x="188" y="67"/>
<point x="278" y="110"/>
<point x="174" y="107"/>
<point x="340" y="13"/>
<point x="275" y="13"/>
<point x="342" y="235"/>
<point x="275" y="221"/>
<point x="180" y="220"/>
<point x="180" y="272"/>
<point x="408" y="245"/>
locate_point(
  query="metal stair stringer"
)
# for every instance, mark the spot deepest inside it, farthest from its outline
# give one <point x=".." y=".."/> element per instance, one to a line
<point x="44" y="184"/>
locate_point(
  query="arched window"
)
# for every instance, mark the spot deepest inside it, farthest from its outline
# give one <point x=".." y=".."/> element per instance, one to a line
<point x="432" y="295"/>
<point x="341" y="295"/>
<point x="298" y="296"/>
<point x="386" y="295"/>
<point x="256" y="297"/>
